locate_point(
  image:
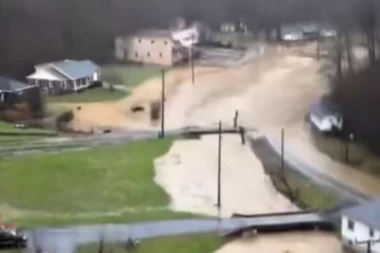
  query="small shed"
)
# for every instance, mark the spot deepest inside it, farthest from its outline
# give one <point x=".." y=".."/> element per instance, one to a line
<point x="360" y="227"/>
<point x="11" y="90"/>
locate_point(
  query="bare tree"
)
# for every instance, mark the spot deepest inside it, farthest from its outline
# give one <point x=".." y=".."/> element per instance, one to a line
<point x="348" y="52"/>
<point x="369" y="26"/>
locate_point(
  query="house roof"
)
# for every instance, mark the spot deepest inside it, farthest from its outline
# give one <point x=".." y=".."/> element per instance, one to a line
<point x="71" y="68"/>
<point x="324" y="107"/>
<point x="76" y="69"/>
<point x="367" y="213"/>
<point x="154" y="33"/>
<point x="8" y="84"/>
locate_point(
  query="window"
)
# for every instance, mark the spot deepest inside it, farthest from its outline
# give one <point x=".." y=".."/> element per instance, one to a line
<point x="350" y="242"/>
<point x="351" y="225"/>
<point x="148" y="54"/>
<point x="152" y="42"/>
<point x="160" y="55"/>
<point x="165" y="42"/>
<point x="139" y="40"/>
<point x="371" y="233"/>
<point x="137" y="55"/>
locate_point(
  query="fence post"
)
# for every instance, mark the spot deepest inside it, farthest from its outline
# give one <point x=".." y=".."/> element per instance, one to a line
<point x="242" y="134"/>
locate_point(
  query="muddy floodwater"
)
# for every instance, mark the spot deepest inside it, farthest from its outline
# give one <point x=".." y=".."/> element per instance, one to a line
<point x="296" y="242"/>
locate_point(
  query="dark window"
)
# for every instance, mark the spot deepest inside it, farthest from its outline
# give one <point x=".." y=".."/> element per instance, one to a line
<point x="351" y="225"/>
<point x="139" y="40"/>
<point x="371" y="233"/>
<point x="350" y="242"/>
<point x="152" y="42"/>
<point x="160" y="54"/>
<point x="165" y="42"/>
<point x="136" y="54"/>
<point x="148" y="54"/>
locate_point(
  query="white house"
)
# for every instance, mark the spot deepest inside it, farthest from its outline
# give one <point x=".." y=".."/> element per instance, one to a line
<point x="360" y="227"/>
<point x="325" y="116"/>
<point x="66" y="75"/>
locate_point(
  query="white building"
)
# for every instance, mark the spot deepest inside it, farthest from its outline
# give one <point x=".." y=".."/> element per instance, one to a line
<point x="186" y="37"/>
<point x="361" y="226"/>
<point x="66" y="75"/>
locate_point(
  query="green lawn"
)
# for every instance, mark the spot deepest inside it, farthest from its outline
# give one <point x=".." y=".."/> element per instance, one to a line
<point x="195" y="243"/>
<point x="310" y="195"/>
<point x="19" y="137"/>
<point x="9" y="128"/>
<point x="130" y="76"/>
<point x="56" y="220"/>
<point x="98" y="185"/>
<point x="297" y="188"/>
<point x="90" y="95"/>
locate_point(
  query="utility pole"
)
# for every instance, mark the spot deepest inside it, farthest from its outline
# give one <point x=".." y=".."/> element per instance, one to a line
<point x="282" y="151"/>
<point x="192" y="58"/>
<point x="318" y="48"/>
<point x="351" y="138"/>
<point x="163" y="104"/>
<point x="219" y="204"/>
<point x="236" y="118"/>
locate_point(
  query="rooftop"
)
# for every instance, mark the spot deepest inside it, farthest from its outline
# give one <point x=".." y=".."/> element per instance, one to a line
<point x="8" y="84"/>
<point x="154" y="33"/>
<point x="367" y="213"/>
<point x="72" y="68"/>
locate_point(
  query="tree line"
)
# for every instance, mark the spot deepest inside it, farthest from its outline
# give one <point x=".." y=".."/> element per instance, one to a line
<point x="357" y="91"/>
<point x="33" y="31"/>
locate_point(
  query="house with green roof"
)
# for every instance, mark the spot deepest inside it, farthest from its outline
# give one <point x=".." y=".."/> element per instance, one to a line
<point x="64" y="76"/>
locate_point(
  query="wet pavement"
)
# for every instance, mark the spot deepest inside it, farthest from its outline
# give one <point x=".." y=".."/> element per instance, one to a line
<point x="67" y="239"/>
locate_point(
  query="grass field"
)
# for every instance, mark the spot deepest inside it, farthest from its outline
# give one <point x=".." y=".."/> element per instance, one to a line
<point x="359" y="156"/>
<point x="98" y="185"/>
<point x="130" y="76"/>
<point x="9" y="128"/>
<point x="309" y="195"/>
<point x="86" y="96"/>
<point x="306" y="194"/>
<point x="196" y="243"/>
<point x="19" y="137"/>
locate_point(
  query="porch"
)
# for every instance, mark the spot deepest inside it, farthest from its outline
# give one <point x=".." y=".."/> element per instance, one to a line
<point x="61" y="86"/>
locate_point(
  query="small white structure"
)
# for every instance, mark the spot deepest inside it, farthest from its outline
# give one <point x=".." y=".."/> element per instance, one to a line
<point x="66" y="75"/>
<point x="186" y="37"/>
<point x="360" y="226"/>
<point x="325" y="116"/>
<point x="228" y="27"/>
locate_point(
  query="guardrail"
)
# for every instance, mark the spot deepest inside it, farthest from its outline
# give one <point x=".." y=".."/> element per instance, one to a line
<point x="237" y="215"/>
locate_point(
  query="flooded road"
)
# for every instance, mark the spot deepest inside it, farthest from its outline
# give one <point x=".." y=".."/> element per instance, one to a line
<point x="291" y="242"/>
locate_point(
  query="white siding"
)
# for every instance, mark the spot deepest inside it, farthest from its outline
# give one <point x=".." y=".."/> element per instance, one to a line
<point x="120" y="48"/>
<point x="360" y="232"/>
<point x="95" y="77"/>
<point x="46" y="74"/>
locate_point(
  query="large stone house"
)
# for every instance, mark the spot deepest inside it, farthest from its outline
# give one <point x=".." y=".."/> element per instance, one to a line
<point x="149" y="47"/>
<point x="158" y="47"/>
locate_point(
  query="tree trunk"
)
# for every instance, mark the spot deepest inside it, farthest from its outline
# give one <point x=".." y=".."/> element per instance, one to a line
<point x="338" y="58"/>
<point x="348" y="47"/>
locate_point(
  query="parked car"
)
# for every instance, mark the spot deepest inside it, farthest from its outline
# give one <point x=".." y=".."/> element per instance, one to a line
<point x="12" y="238"/>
